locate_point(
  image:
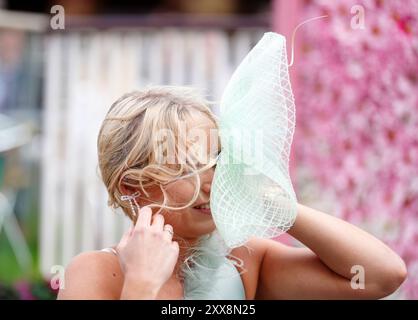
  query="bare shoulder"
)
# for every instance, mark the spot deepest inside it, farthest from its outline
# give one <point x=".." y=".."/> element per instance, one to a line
<point x="92" y="275"/>
<point x="256" y="248"/>
<point x="251" y="254"/>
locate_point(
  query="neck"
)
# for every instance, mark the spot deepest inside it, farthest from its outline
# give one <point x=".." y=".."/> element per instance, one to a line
<point x="184" y="245"/>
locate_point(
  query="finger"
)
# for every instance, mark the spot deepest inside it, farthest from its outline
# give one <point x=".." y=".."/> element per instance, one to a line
<point x="158" y="221"/>
<point x="144" y="218"/>
<point x="125" y="238"/>
<point x="168" y="232"/>
<point x="176" y="246"/>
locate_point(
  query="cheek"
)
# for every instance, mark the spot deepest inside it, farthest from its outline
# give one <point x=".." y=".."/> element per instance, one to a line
<point x="180" y="192"/>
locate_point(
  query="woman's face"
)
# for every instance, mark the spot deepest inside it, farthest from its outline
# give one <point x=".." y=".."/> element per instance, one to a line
<point x="195" y="220"/>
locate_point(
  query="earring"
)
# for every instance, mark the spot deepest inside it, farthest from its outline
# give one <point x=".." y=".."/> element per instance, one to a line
<point x="131" y="198"/>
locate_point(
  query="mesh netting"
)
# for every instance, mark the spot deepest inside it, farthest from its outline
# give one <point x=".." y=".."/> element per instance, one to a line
<point x="252" y="194"/>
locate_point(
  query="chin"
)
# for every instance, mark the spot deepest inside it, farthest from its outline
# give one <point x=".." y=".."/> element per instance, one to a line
<point x="194" y="224"/>
<point x="206" y="228"/>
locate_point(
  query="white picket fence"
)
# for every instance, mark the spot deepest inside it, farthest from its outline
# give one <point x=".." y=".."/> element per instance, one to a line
<point x="85" y="71"/>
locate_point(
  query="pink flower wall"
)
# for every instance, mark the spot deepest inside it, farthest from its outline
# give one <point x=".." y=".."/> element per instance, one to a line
<point x="357" y="120"/>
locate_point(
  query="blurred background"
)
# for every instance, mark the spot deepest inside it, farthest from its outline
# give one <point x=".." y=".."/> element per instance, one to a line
<point x="355" y="80"/>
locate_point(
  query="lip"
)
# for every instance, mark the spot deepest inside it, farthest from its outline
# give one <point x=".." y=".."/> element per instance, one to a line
<point x="204" y="211"/>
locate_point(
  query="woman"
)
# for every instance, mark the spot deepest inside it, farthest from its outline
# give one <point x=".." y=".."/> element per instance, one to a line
<point x="140" y="130"/>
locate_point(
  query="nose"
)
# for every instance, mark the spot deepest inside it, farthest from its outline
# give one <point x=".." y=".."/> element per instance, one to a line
<point x="206" y="180"/>
<point x="206" y="187"/>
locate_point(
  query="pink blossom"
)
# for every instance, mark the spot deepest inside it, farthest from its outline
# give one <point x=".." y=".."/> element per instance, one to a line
<point x="357" y="111"/>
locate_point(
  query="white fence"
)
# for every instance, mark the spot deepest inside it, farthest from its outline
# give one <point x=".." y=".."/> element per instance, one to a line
<point x="84" y="72"/>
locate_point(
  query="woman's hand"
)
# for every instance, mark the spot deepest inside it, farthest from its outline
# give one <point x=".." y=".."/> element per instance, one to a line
<point x="147" y="255"/>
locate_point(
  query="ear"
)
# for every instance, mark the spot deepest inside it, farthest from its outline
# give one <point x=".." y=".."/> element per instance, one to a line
<point x="126" y="189"/>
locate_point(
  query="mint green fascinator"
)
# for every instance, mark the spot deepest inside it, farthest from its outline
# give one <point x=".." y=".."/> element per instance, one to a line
<point x="252" y="194"/>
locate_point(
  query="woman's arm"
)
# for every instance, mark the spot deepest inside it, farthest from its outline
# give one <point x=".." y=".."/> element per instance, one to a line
<point x="323" y="270"/>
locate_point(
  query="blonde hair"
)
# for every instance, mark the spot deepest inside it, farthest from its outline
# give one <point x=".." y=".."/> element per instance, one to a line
<point x="127" y="148"/>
